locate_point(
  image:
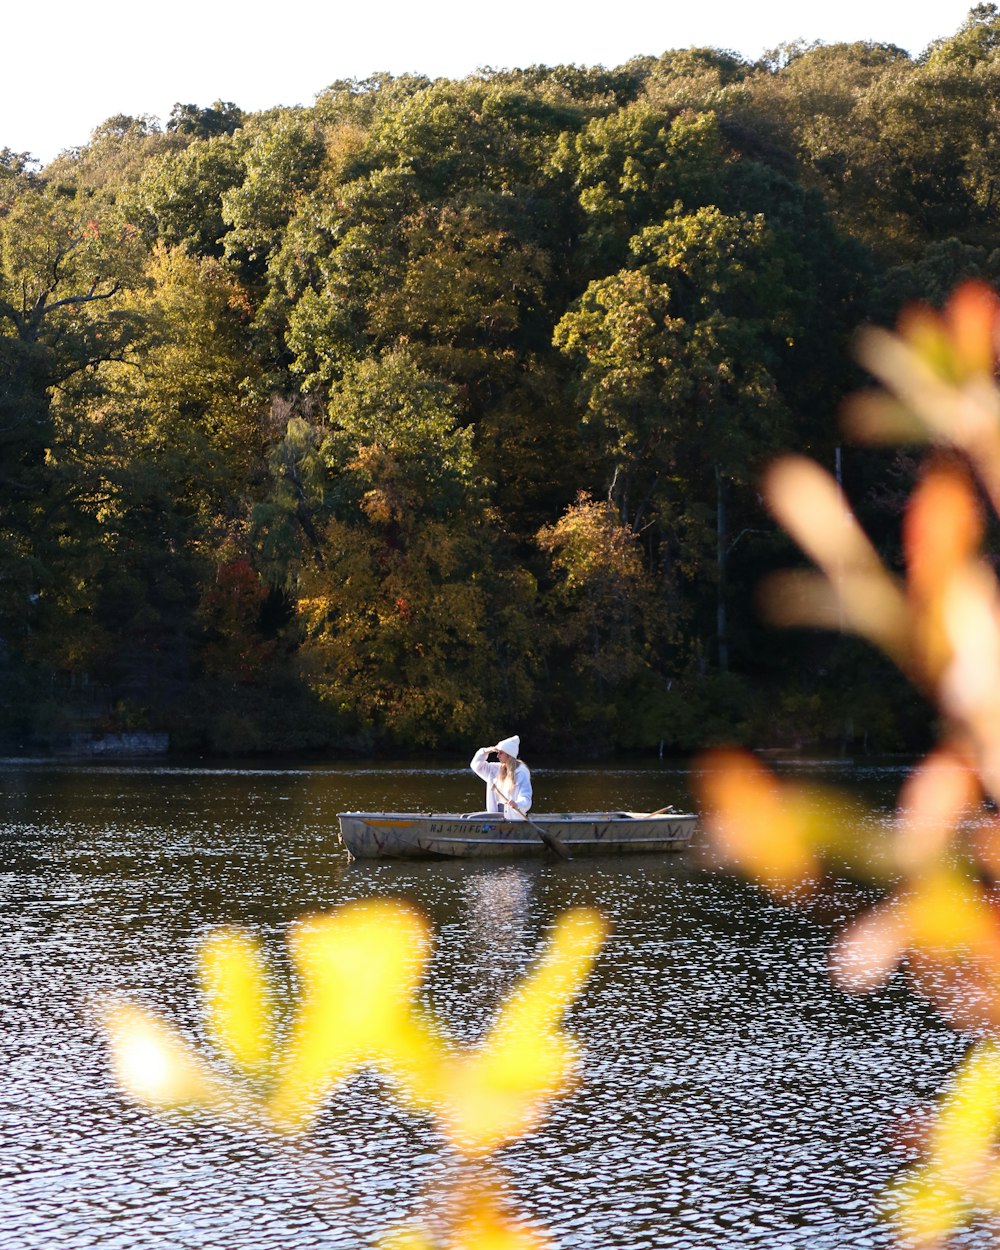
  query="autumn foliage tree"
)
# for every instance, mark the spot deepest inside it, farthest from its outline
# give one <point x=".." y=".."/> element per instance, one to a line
<point x="607" y="616"/>
<point x="370" y="349"/>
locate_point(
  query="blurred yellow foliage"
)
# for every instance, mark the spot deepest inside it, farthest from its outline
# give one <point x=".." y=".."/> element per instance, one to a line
<point x="238" y="1001"/>
<point x="495" y="1092"/>
<point x="940" y="623"/>
<point x="155" y="1063"/>
<point x="478" y="1222"/>
<point x="770" y="830"/>
<point x="360" y="971"/>
<point x="961" y="1176"/>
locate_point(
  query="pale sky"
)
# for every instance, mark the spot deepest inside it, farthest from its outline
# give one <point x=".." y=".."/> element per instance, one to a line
<point x="70" y="64"/>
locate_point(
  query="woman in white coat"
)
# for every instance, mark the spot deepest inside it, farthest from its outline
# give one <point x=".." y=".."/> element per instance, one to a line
<point x="508" y="783"/>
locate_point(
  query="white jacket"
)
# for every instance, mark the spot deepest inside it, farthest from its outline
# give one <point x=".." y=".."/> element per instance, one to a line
<point x="516" y="789"/>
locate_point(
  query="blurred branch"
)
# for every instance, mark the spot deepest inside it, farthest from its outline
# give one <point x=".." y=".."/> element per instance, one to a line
<point x="940" y="624"/>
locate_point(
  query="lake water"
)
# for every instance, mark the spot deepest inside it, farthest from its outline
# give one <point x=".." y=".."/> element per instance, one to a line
<point x="731" y="1096"/>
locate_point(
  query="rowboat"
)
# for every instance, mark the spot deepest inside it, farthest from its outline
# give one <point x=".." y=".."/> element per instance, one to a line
<point x="448" y="835"/>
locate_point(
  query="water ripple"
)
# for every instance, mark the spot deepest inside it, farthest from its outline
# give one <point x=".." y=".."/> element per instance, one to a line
<point x="731" y="1096"/>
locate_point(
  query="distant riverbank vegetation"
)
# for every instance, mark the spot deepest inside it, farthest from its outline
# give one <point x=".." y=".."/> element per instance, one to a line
<point x="438" y="408"/>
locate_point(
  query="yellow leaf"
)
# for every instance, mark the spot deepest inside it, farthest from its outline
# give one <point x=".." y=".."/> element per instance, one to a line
<point x="757" y="824"/>
<point x="359" y="968"/>
<point x="960" y="1173"/>
<point x="155" y="1065"/>
<point x="946" y="912"/>
<point x="500" y="1090"/>
<point x="477" y="1221"/>
<point x="238" y="1006"/>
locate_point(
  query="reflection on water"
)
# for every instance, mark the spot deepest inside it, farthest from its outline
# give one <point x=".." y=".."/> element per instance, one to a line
<point x="732" y="1096"/>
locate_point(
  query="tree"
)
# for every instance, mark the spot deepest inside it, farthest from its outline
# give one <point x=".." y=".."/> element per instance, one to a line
<point x="608" y="617"/>
<point x="220" y="118"/>
<point x="631" y="167"/>
<point x="450" y="236"/>
<point x="472" y="285"/>
<point x="936" y="125"/>
<point x="677" y="360"/>
<point x="282" y="155"/>
<point x="673" y="349"/>
<point x="113" y="158"/>
<point x="398" y="615"/>
<point x="16" y="172"/>
<point x="65" y="270"/>
<point x="262" y="376"/>
<point x="174" y="508"/>
<point x="976" y="40"/>
<point x="804" y="113"/>
<point x="692" y="77"/>
<point x="179" y="197"/>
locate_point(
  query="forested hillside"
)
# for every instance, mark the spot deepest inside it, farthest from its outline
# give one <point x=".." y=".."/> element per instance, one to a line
<point x="436" y="409"/>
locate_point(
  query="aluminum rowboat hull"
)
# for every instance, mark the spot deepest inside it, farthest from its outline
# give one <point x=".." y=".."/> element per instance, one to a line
<point x="405" y="835"/>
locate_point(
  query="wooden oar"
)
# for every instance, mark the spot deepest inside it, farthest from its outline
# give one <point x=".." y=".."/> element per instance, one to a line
<point x="551" y="840"/>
